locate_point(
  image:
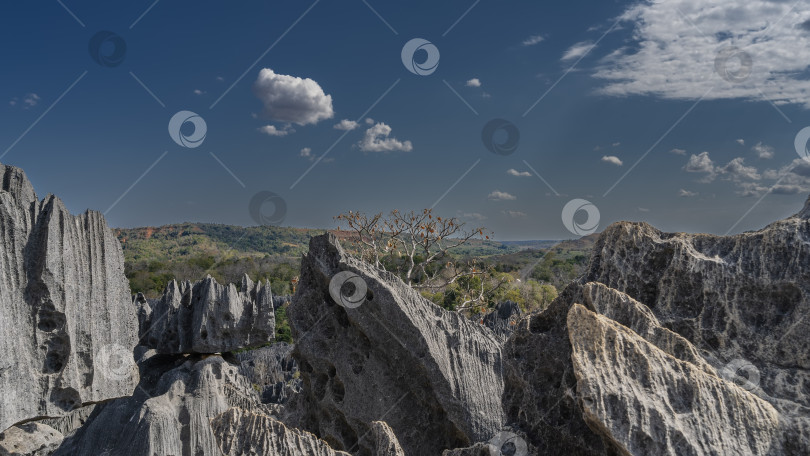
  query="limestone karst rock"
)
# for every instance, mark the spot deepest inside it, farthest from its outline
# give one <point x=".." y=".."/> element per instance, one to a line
<point x="29" y="439"/>
<point x="385" y="441"/>
<point x="731" y="308"/>
<point x="432" y="375"/>
<point x="206" y="317"/>
<point x="67" y="324"/>
<point x="241" y="432"/>
<point x="647" y="400"/>
<point x="273" y="371"/>
<point x="170" y="416"/>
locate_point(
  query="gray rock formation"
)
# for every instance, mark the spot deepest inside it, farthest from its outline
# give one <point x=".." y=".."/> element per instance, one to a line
<point x="206" y="317"/>
<point x="433" y="376"/>
<point x="29" y="439"/>
<point x="715" y="311"/>
<point x="240" y="432"/>
<point x="67" y="323"/>
<point x="648" y="400"/>
<point x="385" y="441"/>
<point x="172" y="416"/>
<point x="273" y="371"/>
<point x="503" y="319"/>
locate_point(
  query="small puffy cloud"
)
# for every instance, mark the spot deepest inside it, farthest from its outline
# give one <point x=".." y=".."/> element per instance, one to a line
<point x="199" y="92"/>
<point x="369" y="121"/>
<point x="515" y="214"/>
<point x="498" y="195"/>
<point x="292" y="99"/>
<point x="613" y="160"/>
<point x="532" y="40"/>
<point x="741" y="142"/>
<point x="346" y="125"/>
<point x="687" y="194"/>
<point x="377" y="139"/>
<point x="736" y="170"/>
<point x="220" y="79"/>
<point x="516" y="173"/>
<point x="701" y="164"/>
<point x="617" y="144"/>
<point x="576" y="51"/>
<point x="678" y="151"/>
<point x="306" y="152"/>
<point x="271" y="130"/>
<point x="31" y="100"/>
<point x="763" y="151"/>
<point x="474" y="82"/>
<point x="643" y="209"/>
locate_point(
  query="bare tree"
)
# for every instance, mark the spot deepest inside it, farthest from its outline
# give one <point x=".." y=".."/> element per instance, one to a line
<point x="420" y="245"/>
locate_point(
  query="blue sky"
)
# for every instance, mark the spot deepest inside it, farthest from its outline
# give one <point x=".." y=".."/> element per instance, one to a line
<point x="680" y="113"/>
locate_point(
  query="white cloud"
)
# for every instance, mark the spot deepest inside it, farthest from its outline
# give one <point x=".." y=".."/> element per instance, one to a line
<point x="515" y="214"/>
<point x="617" y="144"/>
<point x="220" y="79"/>
<point x="498" y="195"/>
<point x="741" y="142"/>
<point x="292" y="99"/>
<point x="737" y="171"/>
<point x="702" y="164"/>
<point x="31" y="100"/>
<point x="532" y="40"/>
<point x="578" y="50"/>
<point x="198" y="92"/>
<point x="377" y="139"/>
<point x="687" y="194"/>
<point x="678" y="151"/>
<point x="369" y="121"/>
<point x="306" y="152"/>
<point x="613" y="160"/>
<point x="273" y="131"/>
<point x="516" y="173"/>
<point x="474" y="82"/>
<point x="675" y="44"/>
<point x="763" y="151"/>
<point x="346" y="125"/>
<point x="643" y="209"/>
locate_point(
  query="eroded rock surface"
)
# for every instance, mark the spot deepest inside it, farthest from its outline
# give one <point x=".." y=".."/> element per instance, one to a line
<point x="67" y="324"/>
<point x="648" y="401"/>
<point x="273" y="371"/>
<point x="240" y="432"/>
<point x="433" y="376"/>
<point x="206" y="317"/>
<point x="385" y="441"/>
<point x="29" y="439"/>
<point x="171" y="417"/>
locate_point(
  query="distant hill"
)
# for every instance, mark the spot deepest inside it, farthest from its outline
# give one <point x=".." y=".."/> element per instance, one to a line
<point x="190" y="251"/>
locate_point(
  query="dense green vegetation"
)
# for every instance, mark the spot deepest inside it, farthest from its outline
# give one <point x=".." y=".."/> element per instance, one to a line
<point x="529" y="273"/>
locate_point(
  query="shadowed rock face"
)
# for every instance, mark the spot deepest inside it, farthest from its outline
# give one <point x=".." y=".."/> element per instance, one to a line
<point x="431" y="375"/>
<point x="67" y="324"/>
<point x="206" y="317"/>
